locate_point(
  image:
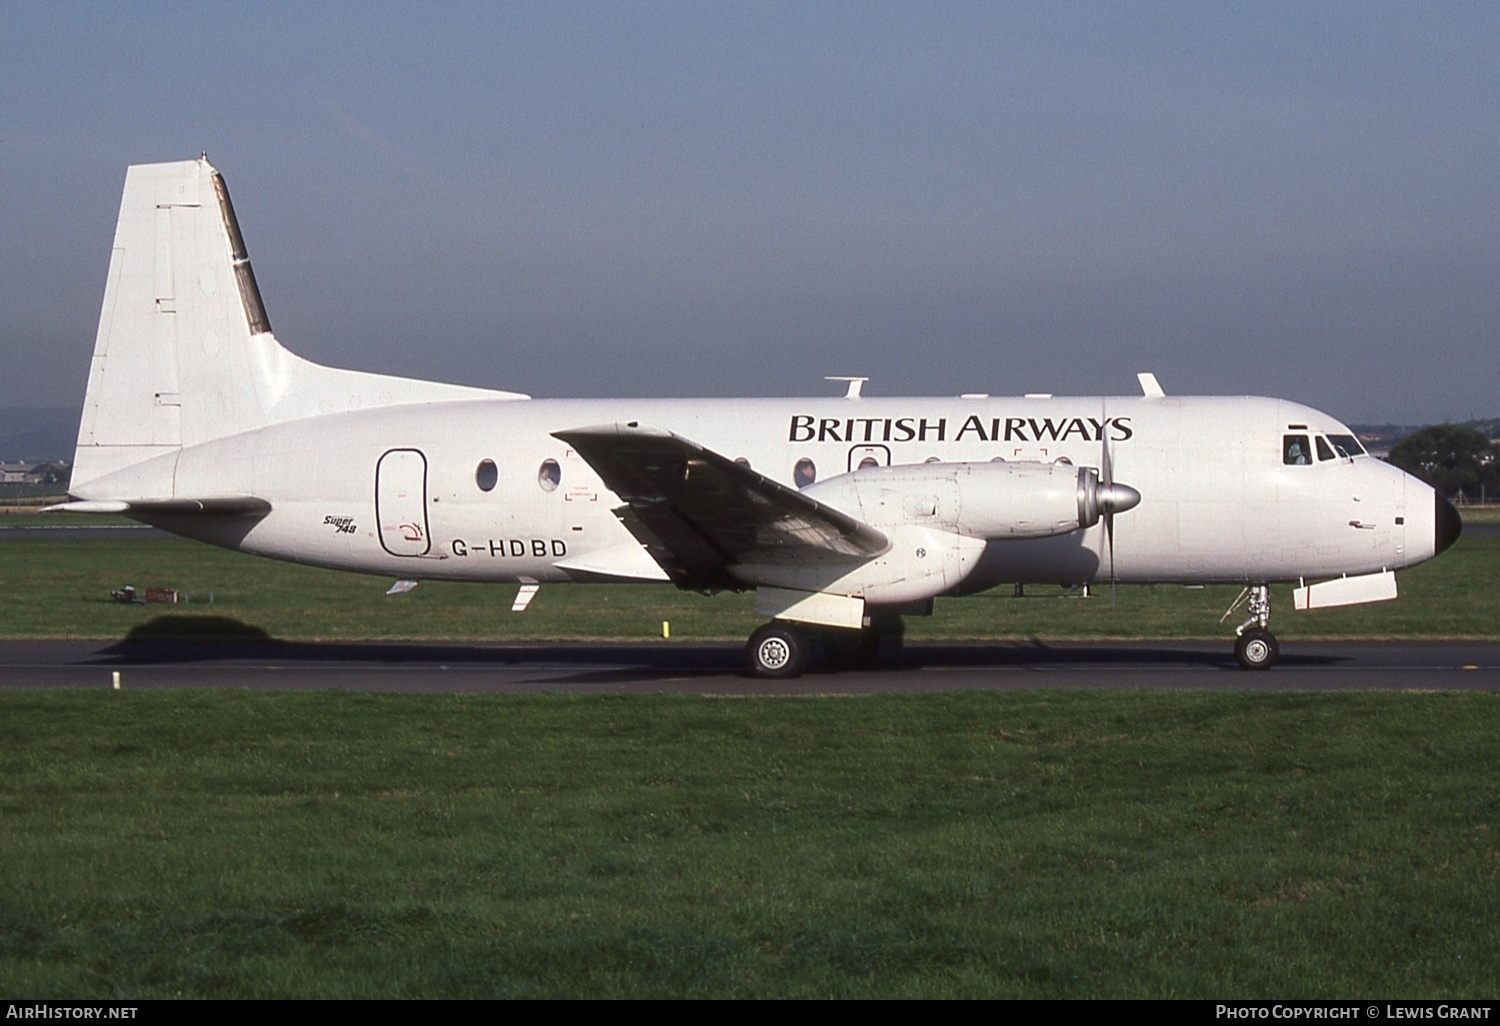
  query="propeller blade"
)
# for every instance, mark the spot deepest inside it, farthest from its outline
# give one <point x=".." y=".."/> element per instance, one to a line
<point x="1106" y="464"/>
<point x="1112" y="499"/>
<point x="1109" y="534"/>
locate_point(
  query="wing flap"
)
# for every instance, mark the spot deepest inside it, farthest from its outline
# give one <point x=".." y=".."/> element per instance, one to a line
<point x="699" y="513"/>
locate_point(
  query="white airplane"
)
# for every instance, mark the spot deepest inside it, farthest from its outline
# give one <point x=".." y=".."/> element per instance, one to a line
<point x="844" y="514"/>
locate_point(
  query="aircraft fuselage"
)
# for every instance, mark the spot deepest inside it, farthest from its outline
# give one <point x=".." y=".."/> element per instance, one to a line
<point x="399" y="490"/>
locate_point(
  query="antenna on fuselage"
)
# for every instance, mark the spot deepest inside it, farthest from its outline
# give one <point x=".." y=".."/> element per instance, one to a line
<point x="855" y="385"/>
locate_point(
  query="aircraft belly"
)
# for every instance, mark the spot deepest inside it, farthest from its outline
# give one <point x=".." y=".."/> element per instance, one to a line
<point x="227" y="533"/>
<point x="1063" y="559"/>
<point x="299" y="533"/>
<point x="291" y="531"/>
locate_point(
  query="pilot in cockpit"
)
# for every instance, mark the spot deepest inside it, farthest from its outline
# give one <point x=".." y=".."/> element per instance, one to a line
<point x="1295" y="452"/>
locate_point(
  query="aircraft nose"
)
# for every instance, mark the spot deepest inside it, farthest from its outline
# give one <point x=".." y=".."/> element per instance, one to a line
<point x="1447" y="524"/>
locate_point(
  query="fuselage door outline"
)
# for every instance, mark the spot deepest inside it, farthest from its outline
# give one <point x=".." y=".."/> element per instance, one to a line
<point x="401" y="502"/>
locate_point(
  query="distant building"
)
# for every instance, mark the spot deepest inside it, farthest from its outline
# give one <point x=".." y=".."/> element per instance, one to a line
<point x="29" y="472"/>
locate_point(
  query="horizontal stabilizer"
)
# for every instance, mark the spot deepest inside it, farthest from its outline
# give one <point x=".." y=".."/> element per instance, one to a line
<point x="217" y="506"/>
<point x="1347" y="591"/>
<point x="699" y="513"/>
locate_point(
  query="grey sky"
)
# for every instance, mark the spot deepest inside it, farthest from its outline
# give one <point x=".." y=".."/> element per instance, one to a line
<point x="737" y="199"/>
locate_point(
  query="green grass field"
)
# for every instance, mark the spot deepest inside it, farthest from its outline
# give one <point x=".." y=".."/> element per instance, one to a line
<point x="1047" y="844"/>
<point x="1065" y="844"/>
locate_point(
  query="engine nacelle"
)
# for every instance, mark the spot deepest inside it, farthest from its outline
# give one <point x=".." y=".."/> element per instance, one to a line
<point x="939" y="517"/>
<point x="980" y="500"/>
<point x="922" y="562"/>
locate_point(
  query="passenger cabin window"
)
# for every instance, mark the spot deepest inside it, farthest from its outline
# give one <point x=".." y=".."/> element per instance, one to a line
<point x="485" y="475"/>
<point x="805" y="472"/>
<point x="549" y="475"/>
<point x="1324" y="452"/>
<point x="1295" y="452"/>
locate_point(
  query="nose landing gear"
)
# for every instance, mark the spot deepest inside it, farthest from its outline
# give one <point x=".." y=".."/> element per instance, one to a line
<point x="1254" y="646"/>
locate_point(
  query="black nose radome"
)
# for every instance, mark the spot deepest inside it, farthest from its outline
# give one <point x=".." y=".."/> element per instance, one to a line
<point x="1447" y="524"/>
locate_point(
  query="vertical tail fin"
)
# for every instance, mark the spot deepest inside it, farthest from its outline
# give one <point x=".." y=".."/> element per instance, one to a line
<point x="185" y="352"/>
<point x="180" y="310"/>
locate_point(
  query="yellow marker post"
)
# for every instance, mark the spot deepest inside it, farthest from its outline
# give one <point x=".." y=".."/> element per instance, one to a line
<point x="666" y="629"/>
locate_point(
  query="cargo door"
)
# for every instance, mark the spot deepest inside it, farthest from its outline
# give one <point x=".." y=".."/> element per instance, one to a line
<point x="401" y="502"/>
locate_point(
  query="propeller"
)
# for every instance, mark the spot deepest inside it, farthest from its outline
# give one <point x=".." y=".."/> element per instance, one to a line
<point x="1113" y="498"/>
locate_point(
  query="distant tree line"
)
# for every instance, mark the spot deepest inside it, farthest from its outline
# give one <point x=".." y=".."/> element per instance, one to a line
<point x="1456" y="459"/>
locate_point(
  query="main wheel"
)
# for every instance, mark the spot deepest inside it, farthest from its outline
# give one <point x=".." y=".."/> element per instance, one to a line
<point x="1257" y="649"/>
<point x="777" y="651"/>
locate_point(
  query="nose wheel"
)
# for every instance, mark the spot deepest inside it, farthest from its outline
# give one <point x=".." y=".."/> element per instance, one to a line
<point x="1256" y="649"/>
<point x="1254" y="646"/>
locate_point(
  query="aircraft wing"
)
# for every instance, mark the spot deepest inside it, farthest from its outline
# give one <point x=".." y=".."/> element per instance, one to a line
<point x="699" y="513"/>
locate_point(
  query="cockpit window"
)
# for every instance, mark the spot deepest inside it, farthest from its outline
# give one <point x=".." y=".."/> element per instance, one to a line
<point x="1324" y="452"/>
<point x="1347" y="446"/>
<point x="1295" y="452"/>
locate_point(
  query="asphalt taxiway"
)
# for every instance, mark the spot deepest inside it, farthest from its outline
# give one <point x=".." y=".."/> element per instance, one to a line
<point x="695" y="668"/>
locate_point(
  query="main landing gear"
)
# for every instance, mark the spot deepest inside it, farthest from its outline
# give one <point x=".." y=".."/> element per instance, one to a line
<point x="777" y="651"/>
<point x="781" y="650"/>
<point x="1254" y="646"/>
